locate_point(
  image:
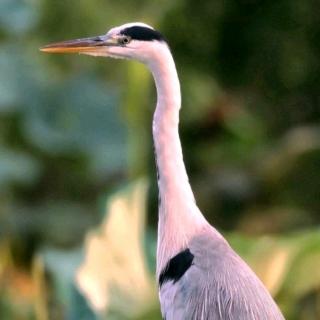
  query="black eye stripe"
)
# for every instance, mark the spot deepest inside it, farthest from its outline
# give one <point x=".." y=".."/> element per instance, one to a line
<point x="142" y="33"/>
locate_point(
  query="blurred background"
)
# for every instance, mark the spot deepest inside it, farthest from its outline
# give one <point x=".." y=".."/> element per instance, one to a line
<point x="78" y="194"/>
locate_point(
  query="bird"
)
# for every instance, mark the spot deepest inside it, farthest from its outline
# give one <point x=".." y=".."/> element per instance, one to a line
<point x="199" y="275"/>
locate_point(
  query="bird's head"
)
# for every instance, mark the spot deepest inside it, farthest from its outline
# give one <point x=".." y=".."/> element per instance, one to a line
<point x="136" y="41"/>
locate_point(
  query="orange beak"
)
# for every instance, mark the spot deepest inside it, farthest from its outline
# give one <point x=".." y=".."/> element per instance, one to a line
<point x="85" y="45"/>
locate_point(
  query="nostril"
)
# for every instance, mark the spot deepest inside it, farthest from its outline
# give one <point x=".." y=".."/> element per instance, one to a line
<point x="97" y="39"/>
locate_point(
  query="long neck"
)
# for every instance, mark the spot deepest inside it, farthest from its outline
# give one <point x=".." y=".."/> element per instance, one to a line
<point x="179" y="216"/>
<point x="172" y="176"/>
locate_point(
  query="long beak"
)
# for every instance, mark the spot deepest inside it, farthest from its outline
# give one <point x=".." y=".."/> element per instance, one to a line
<point x="84" y="45"/>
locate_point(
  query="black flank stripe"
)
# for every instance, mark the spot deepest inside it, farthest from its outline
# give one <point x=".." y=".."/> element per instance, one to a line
<point x="142" y="33"/>
<point x="176" y="267"/>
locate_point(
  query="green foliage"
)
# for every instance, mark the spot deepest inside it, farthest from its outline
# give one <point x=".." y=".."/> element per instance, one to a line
<point x="73" y="129"/>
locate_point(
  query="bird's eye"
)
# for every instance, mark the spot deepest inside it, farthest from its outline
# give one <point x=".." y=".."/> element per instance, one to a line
<point x="124" y="40"/>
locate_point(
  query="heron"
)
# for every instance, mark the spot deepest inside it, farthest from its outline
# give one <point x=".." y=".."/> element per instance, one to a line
<point x="200" y="277"/>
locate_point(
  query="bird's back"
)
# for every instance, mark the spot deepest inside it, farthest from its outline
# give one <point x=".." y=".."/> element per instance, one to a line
<point x="218" y="285"/>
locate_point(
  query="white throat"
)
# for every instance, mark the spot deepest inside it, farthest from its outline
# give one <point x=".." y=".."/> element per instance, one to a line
<point x="176" y="204"/>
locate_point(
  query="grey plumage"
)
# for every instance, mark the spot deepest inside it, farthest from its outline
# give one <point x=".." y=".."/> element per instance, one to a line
<point x="217" y="286"/>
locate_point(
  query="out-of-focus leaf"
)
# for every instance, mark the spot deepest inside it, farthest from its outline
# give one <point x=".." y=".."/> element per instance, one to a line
<point x="295" y="143"/>
<point x="138" y="116"/>
<point x="17" y="289"/>
<point x="287" y="265"/>
<point x="198" y="96"/>
<point x="17" y="167"/>
<point x="17" y="16"/>
<point x="20" y="77"/>
<point x="114" y="276"/>
<point x="61" y="223"/>
<point x="269" y="257"/>
<point x="153" y="314"/>
<point x="62" y="265"/>
<point x="304" y="275"/>
<point x="41" y="294"/>
<point x="244" y="125"/>
<point x="80" y="115"/>
<point x="274" y="219"/>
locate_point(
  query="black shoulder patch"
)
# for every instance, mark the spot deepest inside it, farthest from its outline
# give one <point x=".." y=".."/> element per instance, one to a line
<point x="142" y="33"/>
<point x="176" y="267"/>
